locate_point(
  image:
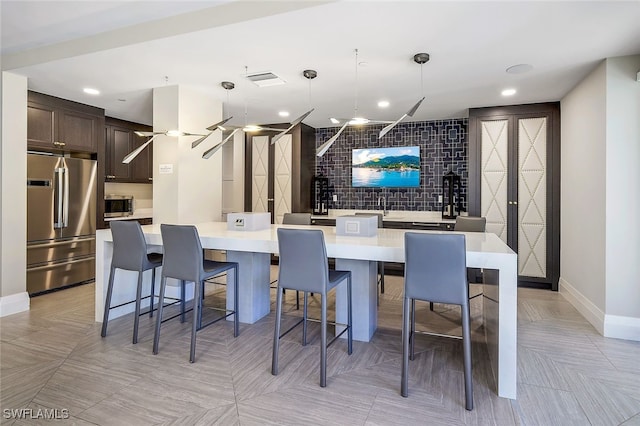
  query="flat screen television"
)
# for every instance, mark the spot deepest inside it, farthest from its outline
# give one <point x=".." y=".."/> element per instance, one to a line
<point x="386" y="167"/>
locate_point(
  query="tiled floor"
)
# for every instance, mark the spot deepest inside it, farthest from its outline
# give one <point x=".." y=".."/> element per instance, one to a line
<point x="53" y="357"/>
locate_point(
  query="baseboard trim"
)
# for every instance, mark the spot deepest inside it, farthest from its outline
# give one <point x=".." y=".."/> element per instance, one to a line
<point x="614" y="326"/>
<point x="586" y="307"/>
<point x="14" y="303"/>
<point x="618" y="327"/>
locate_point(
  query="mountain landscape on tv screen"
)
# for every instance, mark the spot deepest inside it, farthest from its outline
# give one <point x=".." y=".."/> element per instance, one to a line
<point x="400" y="162"/>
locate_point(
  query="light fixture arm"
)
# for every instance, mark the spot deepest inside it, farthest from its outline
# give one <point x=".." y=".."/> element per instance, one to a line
<point x="208" y="153"/>
<point x="133" y="154"/>
<point x="294" y="123"/>
<point x="419" y="58"/>
<point x="325" y="146"/>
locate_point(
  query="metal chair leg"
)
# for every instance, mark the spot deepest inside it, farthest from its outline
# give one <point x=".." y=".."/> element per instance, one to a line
<point x="136" y="319"/>
<point x="412" y="332"/>
<point x="466" y="345"/>
<point x="404" y="385"/>
<point x="153" y="292"/>
<point x="276" y="335"/>
<point x="182" y="300"/>
<point x="107" y="303"/>
<point x="323" y="342"/>
<point x="349" y="318"/>
<point x="431" y="306"/>
<point x="197" y="304"/>
<point x="156" y="336"/>
<point x="236" y="319"/>
<point x="304" y="318"/>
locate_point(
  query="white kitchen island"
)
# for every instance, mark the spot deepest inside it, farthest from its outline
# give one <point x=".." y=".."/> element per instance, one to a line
<point x="358" y="254"/>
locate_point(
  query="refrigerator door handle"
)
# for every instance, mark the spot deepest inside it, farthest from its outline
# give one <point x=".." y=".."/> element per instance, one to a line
<point x="65" y="200"/>
<point x="57" y="218"/>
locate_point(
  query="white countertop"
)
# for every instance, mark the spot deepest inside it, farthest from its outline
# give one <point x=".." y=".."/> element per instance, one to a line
<point x="392" y="215"/>
<point x="137" y="214"/>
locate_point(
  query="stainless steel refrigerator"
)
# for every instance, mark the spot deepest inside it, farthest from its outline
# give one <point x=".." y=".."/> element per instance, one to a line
<point x="61" y="221"/>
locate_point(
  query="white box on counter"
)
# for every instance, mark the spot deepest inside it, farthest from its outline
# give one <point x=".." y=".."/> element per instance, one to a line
<point x="248" y="221"/>
<point x="357" y="226"/>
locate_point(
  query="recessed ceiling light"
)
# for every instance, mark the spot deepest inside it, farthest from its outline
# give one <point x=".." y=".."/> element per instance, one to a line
<point x="283" y="113"/>
<point x="508" y="92"/>
<point x="90" y="91"/>
<point x="383" y="104"/>
<point x="334" y="120"/>
<point x="519" y="69"/>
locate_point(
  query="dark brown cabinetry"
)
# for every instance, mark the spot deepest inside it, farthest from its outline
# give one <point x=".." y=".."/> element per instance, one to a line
<point x="56" y="124"/>
<point x="514" y="181"/>
<point x="120" y="140"/>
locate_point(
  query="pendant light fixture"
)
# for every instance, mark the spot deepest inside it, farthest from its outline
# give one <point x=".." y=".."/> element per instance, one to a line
<point x="419" y="58"/>
<point x="309" y="75"/>
<point x="355" y="121"/>
<point x="228" y="86"/>
<point x="173" y="133"/>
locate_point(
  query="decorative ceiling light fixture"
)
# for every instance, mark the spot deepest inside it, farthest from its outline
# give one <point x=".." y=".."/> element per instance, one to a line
<point x="228" y="86"/>
<point x="309" y="75"/>
<point x="355" y="121"/>
<point x="419" y="58"/>
<point x="173" y="133"/>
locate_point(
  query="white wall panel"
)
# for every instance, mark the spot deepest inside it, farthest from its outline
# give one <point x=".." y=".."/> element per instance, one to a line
<point x="493" y="188"/>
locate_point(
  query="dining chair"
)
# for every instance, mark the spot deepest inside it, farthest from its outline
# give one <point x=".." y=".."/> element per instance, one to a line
<point x="183" y="260"/>
<point x="470" y="224"/>
<point x="304" y="267"/>
<point x="294" y="219"/>
<point x="130" y="254"/>
<point x="435" y="271"/>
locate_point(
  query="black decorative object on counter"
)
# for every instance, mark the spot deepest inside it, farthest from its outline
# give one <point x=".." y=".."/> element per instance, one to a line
<point x="320" y="195"/>
<point x="451" y="200"/>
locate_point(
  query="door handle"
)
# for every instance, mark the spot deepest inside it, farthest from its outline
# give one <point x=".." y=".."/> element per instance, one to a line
<point x="65" y="200"/>
<point x="57" y="221"/>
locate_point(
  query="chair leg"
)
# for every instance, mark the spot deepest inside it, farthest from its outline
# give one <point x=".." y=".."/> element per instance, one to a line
<point x="153" y="292"/>
<point x="156" y="336"/>
<point x="297" y="300"/>
<point x="107" y="303"/>
<point x="276" y="335"/>
<point x="466" y="345"/>
<point x="431" y="306"/>
<point x="381" y="277"/>
<point x="182" y="300"/>
<point x="201" y="302"/>
<point x="349" y="318"/>
<point x="404" y="385"/>
<point x="136" y="319"/>
<point x="236" y="295"/>
<point x="304" y="318"/>
<point x="412" y="332"/>
<point x="323" y="342"/>
<point x="195" y="323"/>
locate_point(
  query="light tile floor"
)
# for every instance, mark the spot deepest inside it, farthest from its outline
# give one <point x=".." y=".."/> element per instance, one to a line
<point x="53" y="357"/>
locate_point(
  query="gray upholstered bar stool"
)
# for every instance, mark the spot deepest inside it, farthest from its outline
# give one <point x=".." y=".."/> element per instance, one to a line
<point x="183" y="260"/>
<point x="130" y="254"/>
<point x="294" y="219"/>
<point x="469" y="224"/>
<point x="435" y="270"/>
<point x="304" y="267"/>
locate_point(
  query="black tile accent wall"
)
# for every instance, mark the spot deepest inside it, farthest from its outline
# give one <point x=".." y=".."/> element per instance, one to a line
<point x="443" y="147"/>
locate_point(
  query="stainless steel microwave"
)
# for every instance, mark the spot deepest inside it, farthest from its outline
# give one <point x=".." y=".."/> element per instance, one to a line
<point x="118" y="205"/>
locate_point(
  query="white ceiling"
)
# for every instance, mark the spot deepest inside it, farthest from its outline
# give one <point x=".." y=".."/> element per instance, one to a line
<point x="126" y="48"/>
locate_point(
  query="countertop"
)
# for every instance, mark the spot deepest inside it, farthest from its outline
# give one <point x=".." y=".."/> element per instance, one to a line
<point x="137" y="214"/>
<point x="393" y="216"/>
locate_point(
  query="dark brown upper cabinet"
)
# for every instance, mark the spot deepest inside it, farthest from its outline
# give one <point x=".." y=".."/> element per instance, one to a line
<point x="59" y="125"/>
<point x="120" y="140"/>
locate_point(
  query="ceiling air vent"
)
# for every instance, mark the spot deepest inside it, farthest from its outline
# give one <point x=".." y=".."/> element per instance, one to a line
<point x="265" y="79"/>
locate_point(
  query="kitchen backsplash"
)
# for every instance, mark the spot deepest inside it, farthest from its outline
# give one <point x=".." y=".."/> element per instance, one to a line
<point x="443" y="147"/>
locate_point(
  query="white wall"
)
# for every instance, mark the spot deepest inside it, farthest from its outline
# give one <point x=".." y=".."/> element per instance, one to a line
<point x="13" y="204"/>
<point x="582" y="188"/>
<point x="600" y="201"/>
<point x="192" y="193"/>
<point x="623" y="187"/>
